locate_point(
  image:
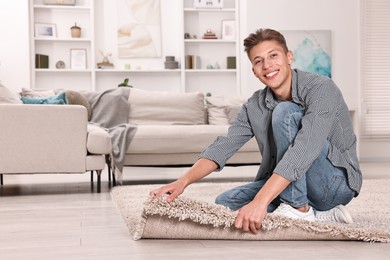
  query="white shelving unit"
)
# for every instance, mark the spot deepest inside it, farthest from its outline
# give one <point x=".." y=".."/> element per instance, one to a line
<point x="58" y="46"/>
<point x="191" y="20"/>
<point x="211" y="52"/>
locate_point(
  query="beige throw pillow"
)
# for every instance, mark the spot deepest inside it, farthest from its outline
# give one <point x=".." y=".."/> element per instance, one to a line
<point x="165" y="108"/>
<point x="30" y="93"/>
<point x="7" y="96"/>
<point x="232" y="112"/>
<point x="76" y="98"/>
<point x="217" y="108"/>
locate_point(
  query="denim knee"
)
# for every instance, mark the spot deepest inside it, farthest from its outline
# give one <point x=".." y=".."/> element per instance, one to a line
<point x="283" y="110"/>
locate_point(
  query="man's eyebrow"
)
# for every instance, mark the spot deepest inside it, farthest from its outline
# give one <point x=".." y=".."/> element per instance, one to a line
<point x="256" y="57"/>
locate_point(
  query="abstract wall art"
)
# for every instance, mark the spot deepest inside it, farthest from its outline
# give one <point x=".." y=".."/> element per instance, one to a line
<point x="312" y="50"/>
<point x="139" y="28"/>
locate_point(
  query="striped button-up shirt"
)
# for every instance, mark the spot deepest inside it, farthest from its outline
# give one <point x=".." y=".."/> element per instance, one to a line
<point x="325" y="119"/>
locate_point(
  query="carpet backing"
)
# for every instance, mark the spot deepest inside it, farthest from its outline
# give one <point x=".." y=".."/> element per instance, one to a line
<point x="194" y="215"/>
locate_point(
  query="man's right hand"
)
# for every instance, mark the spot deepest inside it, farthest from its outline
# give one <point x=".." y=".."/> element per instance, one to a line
<point x="173" y="190"/>
<point x="200" y="169"/>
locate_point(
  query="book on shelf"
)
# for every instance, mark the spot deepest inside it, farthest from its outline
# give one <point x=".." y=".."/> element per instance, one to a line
<point x="192" y="62"/>
<point x="41" y="61"/>
<point x="210" y="37"/>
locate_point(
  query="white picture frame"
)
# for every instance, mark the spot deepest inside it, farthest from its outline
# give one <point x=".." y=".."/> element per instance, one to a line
<point x="45" y="30"/>
<point x="228" y="30"/>
<point x="78" y="59"/>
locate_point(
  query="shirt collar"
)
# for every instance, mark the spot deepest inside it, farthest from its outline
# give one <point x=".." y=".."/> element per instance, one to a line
<point x="271" y="101"/>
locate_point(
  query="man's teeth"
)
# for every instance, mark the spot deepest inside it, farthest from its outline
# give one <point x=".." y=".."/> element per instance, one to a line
<point x="271" y="74"/>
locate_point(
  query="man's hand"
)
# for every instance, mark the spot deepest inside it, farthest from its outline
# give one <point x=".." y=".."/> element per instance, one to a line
<point x="200" y="169"/>
<point x="250" y="217"/>
<point x="174" y="189"/>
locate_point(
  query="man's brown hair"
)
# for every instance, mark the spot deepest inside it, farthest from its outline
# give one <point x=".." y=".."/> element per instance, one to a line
<point x="262" y="35"/>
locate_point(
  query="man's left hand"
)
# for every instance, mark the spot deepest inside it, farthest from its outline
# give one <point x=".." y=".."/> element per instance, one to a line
<point x="250" y="217"/>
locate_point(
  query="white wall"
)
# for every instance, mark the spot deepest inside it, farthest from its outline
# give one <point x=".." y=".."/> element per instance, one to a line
<point x="341" y="17"/>
<point x="14" y="44"/>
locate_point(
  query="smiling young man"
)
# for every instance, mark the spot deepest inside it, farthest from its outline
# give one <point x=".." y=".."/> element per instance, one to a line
<point x="309" y="166"/>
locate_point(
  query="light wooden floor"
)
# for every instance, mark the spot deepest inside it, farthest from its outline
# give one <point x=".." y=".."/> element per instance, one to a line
<point x="58" y="217"/>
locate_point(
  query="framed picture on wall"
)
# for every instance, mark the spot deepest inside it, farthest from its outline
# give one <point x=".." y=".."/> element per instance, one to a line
<point x="228" y="30"/>
<point x="78" y="59"/>
<point x="45" y="30"/>
<point x="312" y="50"/>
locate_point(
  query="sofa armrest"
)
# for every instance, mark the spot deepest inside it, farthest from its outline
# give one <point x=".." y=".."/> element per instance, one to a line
<point x="42" y="138"/>
<point x="98" y="140"/>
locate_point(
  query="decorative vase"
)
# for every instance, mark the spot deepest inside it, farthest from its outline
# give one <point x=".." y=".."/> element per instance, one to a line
<point x="75" y="31"/>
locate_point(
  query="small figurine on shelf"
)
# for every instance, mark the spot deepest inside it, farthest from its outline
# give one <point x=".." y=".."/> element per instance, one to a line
<point x="105" y="64"/>
<point x="125" y="83"/>
<point x="75" y="31"/>
<point x="209" y="35"/>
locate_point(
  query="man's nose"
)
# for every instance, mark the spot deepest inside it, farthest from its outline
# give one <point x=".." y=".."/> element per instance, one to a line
<point x="266" y="63"/>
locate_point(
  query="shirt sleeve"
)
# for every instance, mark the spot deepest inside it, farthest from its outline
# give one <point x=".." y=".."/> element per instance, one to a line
<point x="225" y="147"/>
<point x="321" y="105"/>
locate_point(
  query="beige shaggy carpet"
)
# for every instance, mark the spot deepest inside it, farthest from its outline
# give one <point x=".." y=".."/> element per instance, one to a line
<point x="194" y="215"/>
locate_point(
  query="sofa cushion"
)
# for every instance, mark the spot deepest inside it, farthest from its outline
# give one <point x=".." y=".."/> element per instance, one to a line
<point x="166" y="108"/>
<point x="37" y="93"/>
<point x="53" y="100"/>
<point x="167" y="139"/>
<point x="8" y="97"/>
<point x="232" y="112"/>
<point x="76" y="98"/>
<point x="218" y="106"/>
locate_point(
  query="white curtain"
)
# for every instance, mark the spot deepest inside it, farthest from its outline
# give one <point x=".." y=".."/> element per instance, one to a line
<point x="375" y="53"/>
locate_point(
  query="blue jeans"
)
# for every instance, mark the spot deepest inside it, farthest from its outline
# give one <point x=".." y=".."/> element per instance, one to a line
<point x="323" y="186"/>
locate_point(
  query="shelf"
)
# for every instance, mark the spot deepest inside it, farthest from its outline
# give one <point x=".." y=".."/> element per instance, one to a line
<point x="55" y="39"/>
<point x="138" y="71"/>
<point x="211" y="70"/>
<point x="215" y="10"/>
<point x="62" y="7"/>
<point x="212" y="41"/>
<point x="62" y="70"/>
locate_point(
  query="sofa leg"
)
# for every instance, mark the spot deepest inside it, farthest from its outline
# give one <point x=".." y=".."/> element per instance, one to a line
<point x="98" y="180"/>
<point x="1" y="179"/>
<point x="108" y="162"/>
<point x="109" y="174"/>
<point x="91" y="176"/>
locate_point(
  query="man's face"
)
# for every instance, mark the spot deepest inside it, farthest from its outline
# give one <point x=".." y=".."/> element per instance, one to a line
<point x="271" y="65"/>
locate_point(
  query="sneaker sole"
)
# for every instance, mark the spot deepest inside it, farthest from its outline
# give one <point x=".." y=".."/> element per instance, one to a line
<point x="347" y="217"/>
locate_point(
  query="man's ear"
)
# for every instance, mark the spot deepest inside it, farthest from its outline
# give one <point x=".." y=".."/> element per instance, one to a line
<point x="290" y="57"/>
<point x="254" y="72"/>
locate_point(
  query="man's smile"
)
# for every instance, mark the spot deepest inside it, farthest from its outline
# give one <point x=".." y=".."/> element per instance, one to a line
<point x="272" y="75"/>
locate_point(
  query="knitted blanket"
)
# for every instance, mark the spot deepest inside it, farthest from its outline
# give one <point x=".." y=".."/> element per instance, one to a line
<point x="110" y="110"/>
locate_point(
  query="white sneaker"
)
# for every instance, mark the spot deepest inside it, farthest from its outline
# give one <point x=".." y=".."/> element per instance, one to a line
<point x="290" y="212"/>
<point x="337" y="214"/>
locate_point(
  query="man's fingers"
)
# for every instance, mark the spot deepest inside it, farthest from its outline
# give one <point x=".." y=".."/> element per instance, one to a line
<point x="245" y="225"/>
<point x="238" y="222"/>
<point x="156" y="194"/>
<point x="253" y="228"/>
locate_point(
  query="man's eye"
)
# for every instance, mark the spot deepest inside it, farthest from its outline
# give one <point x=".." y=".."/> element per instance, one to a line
<point x="274" y="55"/>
